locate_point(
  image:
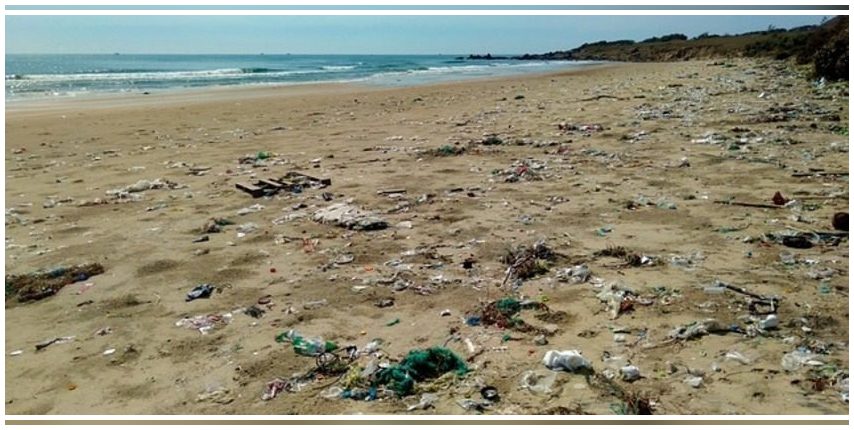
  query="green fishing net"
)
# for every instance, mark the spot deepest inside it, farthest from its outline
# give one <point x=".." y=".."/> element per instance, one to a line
<point x="420" y="365"/>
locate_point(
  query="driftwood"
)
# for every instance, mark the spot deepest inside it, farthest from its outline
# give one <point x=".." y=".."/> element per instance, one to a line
<point x="798" y="197"/>
<point x="392" y="191"/>
<point x="800" y="175"/>
<point x="599" y="97"/>
<point x="750" y="205"/>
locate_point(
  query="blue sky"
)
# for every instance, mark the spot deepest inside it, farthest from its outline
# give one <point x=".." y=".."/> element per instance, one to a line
<point x="355" y="34"/>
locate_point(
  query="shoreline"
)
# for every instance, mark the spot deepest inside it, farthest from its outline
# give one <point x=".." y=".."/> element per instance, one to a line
<point x="173" y="96"/>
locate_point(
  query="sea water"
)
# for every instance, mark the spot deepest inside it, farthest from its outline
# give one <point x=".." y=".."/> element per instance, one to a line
<point x="39" y="76"/>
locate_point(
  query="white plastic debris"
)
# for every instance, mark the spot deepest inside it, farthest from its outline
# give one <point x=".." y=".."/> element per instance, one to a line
<point x="694" y="381"/>
<point x="251" y="209"/>
<point x="332" y="392"/>
<point x="630" y="373"/>
<point x="244" y="229"/>
<point x="613" y="297"/>
<point x="571" y="361"/>
<point x="426" y="402"/>
<point x="574" y="275"/>
<point x="348" y="216"/>
<point x="538" y="382"/>
<point x="142" y="185"/>
<point x="769" y="322"/>
<point x="737" y="357"/>
<point x="797" y="358"/>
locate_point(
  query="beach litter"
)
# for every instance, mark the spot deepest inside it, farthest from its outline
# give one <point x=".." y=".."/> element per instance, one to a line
<point x="630" y="373"/>
<point x="420" y="365"/>
<point x="205" y="323"/>
<point x="426" y="402"/>
<point x="473" y="405"/>
<point x="527" y="261"/>
<point x="45" y="283"/>
<point x="294" y="182"/>
<point x="571" y="361"/>
<point x="737" y="357"/>
<point x="804" y="240"/>
<point x="275" y="387"/>
<point x="603" y="231"/>
<point x="524" y="170"/>
<point x="619" y="299"/>
<point x="244" y="229"/>
<point x="350" y="217"/>
<point x="699" y="329"/>
<point x="491" y="140"/>
<point x="694" y="381"/>
<point x="142" y="185"/>
<point x="503" y="313"/>
<point x="217" y="395"/>
<point x="310" y="347"/>
<point x="689" y="261"/>
<point x="798" y="358"/>
<point x="250" y="209"/>
<point x="840" y="221"/>
<point x="584" y="128"/>
<point x="57" y="340"/>
<point x="538" y="382"/>
<point x="254" y="312"/>
<point x="447" y="151"/>
<point x="202" y="291"/>
<point x="574" y="275"/>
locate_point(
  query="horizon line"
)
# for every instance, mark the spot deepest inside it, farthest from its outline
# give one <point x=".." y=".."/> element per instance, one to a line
<point x="227" y="53"/>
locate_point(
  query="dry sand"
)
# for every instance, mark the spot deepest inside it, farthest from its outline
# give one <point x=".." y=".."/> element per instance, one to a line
<point x="368" y="139"/>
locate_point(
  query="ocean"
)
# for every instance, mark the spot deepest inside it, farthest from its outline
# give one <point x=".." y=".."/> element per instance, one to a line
<point x="45" y="76"/>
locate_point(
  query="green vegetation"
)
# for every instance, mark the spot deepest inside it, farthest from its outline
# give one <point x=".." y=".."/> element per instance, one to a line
<point x="824" y="46"/>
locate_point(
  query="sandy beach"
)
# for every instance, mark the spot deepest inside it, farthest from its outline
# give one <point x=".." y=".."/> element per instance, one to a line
<point x="631" y="157"/>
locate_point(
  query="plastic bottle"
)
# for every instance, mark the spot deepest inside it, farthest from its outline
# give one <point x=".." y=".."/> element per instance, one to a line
<point x="312" y="347"/>
<point x="287" y="336"/>
<point x="305" y="346"/>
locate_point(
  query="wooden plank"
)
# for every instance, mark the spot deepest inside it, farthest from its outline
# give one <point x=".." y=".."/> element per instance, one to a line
<point x="251" y="189"/>
<point x="322" y="181"/>
<point x="271" y="183"/>
<point x="393" y="191"/>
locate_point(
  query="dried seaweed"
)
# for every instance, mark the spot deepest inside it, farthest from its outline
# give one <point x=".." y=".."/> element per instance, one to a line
<point x="39" y="285"/>
<point x="527" y="262"/>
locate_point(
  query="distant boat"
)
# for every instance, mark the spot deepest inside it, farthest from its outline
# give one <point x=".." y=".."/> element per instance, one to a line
<point x="115" y="53"/>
